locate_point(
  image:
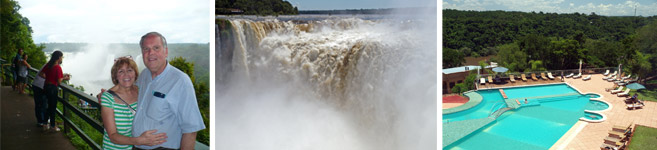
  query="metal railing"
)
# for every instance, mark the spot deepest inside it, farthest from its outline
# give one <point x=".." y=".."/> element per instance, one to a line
<point x="68" y="109"/>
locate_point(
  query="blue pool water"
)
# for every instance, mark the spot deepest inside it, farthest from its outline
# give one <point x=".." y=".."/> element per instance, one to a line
<point x="532" y="127"/>
<point x="596" y="105"/>
<point x="592" y="116"/>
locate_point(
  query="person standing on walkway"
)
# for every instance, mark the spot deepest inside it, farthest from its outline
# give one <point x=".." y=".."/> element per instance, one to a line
<point x="167" y="101"/>
<point x="14" y="68"/>
<point x="119" y="106"/>
<point x="22" y="74"/>
<point x="53" y="75"/>
<point x="40" y="100"/>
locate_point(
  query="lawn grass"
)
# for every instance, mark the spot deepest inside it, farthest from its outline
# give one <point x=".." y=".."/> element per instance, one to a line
<point x="643" y="138"/>
<point x="648" y="94"/>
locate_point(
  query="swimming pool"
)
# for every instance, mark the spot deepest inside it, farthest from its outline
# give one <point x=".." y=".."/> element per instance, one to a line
<point x="531" y="127"/>
<point x="596" y="105"/>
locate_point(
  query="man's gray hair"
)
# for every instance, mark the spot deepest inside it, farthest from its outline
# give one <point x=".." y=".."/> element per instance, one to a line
<point x="164" y="40"/>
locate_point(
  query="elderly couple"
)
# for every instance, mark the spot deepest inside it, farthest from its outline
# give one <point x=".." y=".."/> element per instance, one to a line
<point x="154" y="110"/>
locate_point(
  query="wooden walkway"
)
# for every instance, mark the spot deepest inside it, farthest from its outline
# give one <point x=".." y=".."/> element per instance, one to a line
<point x="18" y="129"/>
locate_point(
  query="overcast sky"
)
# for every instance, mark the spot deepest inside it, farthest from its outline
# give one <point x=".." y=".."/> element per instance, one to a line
<point x="358" y="4"/>
<point x="117" y="21"/>
<point x="600" y="7"/>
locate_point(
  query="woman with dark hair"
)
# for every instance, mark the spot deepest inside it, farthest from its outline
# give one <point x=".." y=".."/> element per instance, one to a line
<point x="52" y="72"/>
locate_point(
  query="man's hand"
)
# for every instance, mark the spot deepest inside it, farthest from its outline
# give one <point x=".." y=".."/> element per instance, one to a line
<point x="100" y="95"/>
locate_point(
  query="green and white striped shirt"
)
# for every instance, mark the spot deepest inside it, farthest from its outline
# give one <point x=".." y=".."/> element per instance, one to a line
<point x="122" y="118"/>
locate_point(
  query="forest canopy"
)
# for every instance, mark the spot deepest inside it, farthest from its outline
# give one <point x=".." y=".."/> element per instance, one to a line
<point x="530" y="41"/>
<point x="255" y="7"/>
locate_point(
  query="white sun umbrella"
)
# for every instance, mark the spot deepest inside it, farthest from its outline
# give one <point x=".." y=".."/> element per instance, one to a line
<point x="580" y="66"/>
<point x="619" y="70"/>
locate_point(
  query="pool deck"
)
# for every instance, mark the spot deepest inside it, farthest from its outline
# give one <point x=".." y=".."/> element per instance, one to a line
<point x="592" y="135"/>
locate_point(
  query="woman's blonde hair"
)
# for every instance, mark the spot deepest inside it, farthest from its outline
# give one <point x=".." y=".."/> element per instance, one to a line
<point x="118" y="63"/>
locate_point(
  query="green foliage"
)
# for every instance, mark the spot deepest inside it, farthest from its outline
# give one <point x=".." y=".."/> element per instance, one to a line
<point x="482" y="65"/>
<point x="640" y="65"/>
<point x="17" y="34"/>
<point x="645" y="43"/>
<point x="481" y="29"/>
<point x="567" y="53"/>
<point x="511" y="57"/>
<point x="536" y="65"/>
<point x="452" y="58"/>
<point x="182" y="64"/>
<point x="470" y="80"/>
<point x="459" y="88"/>
<point x="256" y="7"/>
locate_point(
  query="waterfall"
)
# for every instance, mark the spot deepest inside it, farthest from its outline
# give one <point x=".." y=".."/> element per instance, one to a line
<point x="335" y="83"/>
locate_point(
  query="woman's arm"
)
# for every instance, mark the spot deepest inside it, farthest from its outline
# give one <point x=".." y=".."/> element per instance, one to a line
<point x="26" y="64"/>
<point x="147" y="138"/>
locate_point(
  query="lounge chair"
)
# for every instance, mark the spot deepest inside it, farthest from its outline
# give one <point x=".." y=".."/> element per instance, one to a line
<point x="543" y="76"/>
<point x="626" y="77"/>
<point x="628" y="81"/>
<point x="633" y="80"/>
<point x="550" y="76"/>
<point x="534" y="77"/>
<point x="609" y="77"/>
<point x="579" y="75"/>
<point x="620" y="88"/>
<point x="482" y="80"/>
<point x="570" y="75"/>
<point x="615" y="141"/>
<point x="619" y="133"/>
<point x="490" y="79"/>
<point x="512" y="78"/>
<point x="626" y="93"/>
<point x="587" y="78"/>
<point x="635" y="106"/>
<point x="523" y="77"/>
<point x="622" y="128"/>
<point x="606" y="73"/>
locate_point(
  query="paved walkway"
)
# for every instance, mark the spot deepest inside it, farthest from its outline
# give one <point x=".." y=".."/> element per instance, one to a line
<point x="18" y="128"/>
<point x="593" y="134"/>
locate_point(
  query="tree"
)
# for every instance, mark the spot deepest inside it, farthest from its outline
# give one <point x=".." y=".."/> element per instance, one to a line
<point x="452" y="58"/>
<point x="537" y="65"/>
<point x="470" y="80"/>
<point x="640" y="65"/>
<point x="17" y="34"/>
<point x="567" y="53"/>
<point x="511" y="57"/>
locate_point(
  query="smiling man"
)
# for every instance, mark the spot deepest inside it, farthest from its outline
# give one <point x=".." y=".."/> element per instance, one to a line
<point x="166" y="98"/>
